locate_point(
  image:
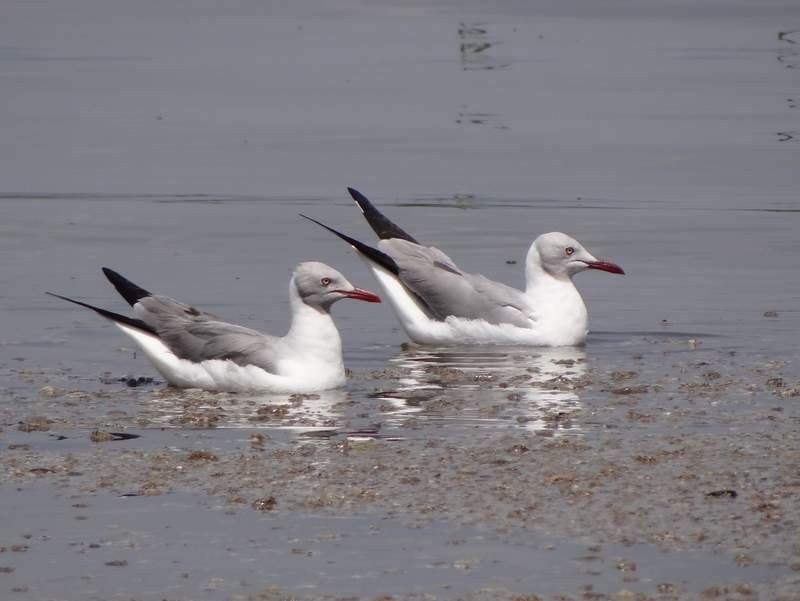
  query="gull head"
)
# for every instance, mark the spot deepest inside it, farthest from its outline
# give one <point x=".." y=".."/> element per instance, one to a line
<point x="563" y="256"/>
<point x="319" y="286"/>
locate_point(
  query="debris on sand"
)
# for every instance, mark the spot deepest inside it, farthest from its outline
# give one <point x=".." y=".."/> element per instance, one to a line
<point x="264" y="504"/>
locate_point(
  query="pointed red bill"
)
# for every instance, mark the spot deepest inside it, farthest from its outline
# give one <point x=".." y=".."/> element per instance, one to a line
<point x="359" y="294"/>
<point x="605" y="266"/>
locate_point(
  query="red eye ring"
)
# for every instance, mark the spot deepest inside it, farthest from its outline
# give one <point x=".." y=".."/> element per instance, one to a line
<point x="570" y="251"/>
<point x="325" y="281"/>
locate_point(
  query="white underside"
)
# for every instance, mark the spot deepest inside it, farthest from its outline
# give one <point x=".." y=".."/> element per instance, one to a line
<point x="225" y="375"/>
<point x="455" y="330"/>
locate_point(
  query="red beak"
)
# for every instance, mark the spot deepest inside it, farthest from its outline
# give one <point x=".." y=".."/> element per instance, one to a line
<point x="605" y="266"/>
<point x="359" y="294"/>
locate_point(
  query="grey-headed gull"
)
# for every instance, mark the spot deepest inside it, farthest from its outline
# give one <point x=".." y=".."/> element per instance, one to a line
<point x="194" y="349"/>
<point x="439" y="303"/>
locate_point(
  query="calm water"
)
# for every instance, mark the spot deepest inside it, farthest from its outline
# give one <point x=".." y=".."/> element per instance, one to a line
<point x="177" y="146"/>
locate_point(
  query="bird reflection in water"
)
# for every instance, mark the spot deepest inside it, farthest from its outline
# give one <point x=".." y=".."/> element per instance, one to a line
<point x="459" y="388"/>
<point x="202" y="409"/>
<point x="535" y="389"/>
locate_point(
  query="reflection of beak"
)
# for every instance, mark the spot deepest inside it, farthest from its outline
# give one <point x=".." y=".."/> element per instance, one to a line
<point x="605" y="266"/>
<point x="359" y="294"/>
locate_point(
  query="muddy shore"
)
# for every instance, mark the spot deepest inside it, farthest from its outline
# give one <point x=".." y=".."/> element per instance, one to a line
<point x="697" y="455"/>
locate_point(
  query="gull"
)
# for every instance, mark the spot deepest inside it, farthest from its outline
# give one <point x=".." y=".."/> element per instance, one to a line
<point x="194" y="349"/>
<point x="438" y="303"/>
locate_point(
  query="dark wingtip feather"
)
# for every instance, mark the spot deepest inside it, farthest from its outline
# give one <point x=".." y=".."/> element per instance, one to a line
<point x="361" y="200"/>
<point x="129" y="291"/>
<point x="381" y="225"/>
<point x="116" y="317"/>
<point x="374" y="254"/>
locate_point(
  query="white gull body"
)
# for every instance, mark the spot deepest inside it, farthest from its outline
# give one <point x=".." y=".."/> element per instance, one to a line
<point x="438" y="303"/>
<point x="194" y="349"/>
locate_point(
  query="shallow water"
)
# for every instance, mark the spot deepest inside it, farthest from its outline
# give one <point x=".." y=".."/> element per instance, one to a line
<point x="164" y="553"/>
<point x="178" y="147"/>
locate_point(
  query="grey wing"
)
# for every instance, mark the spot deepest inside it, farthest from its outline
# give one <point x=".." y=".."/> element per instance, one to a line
<point x="199" y="336"/>
<point x="446" y="290"/>
<point x="505" y="304"/>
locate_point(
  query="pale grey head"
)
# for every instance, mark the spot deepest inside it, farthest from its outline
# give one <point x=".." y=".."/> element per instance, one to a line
<point x="319" y="286"/>
<point x="563" y="256"/>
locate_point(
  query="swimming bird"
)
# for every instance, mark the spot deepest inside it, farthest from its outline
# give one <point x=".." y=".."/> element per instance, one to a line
<point x="195" y="349"/>
<point x="438" y="303"/>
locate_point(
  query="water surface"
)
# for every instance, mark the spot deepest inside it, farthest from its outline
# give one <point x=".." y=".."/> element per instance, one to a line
<point x="177" y="145"/>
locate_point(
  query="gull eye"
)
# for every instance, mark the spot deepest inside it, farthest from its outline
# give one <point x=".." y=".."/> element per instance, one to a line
<point x="570" y="251"/>
<point x="325" y="281"/>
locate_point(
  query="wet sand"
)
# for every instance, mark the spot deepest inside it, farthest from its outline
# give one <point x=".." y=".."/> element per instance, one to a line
<point x="660" y="461"/>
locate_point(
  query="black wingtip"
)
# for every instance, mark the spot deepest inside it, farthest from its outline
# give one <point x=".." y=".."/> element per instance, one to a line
<point x="62" y="297"/>
<point x="374" y="254"/>
<point x="361" y="200"/>
<point x="129" y="291"/>
<point x="381" y="225"/>
<point x="115" y="317"/>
